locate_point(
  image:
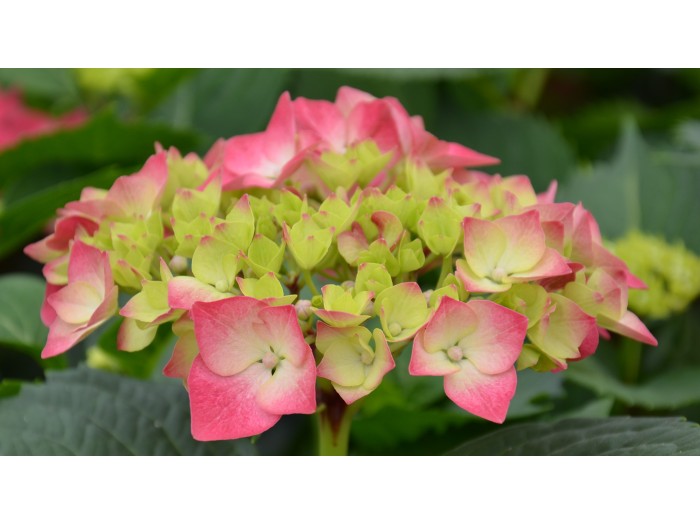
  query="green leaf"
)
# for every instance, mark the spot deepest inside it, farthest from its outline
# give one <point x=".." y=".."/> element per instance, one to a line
<point x="101" y="141"/>
<point x="86" y="412"/>
<point x="410" y="74"/>
<point x="598" y="408"/>
<point x="525" y="144"/>
<point x="54" y="83"/>
<point x="20" y="324"/>
<point x="672" y="389"/>
<point x="618" y="436"/>
<point x="224" y="102"/>
<point x="640" y="189"/>
<point x="22" y="219"/>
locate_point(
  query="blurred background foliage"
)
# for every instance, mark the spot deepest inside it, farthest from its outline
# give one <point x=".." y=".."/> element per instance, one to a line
<point x="624" y="142"/>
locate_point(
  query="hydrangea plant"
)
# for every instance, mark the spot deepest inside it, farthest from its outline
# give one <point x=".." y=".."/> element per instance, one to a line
<point x="292" y="266"/>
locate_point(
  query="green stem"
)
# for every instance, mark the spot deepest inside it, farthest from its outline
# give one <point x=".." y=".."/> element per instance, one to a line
<point x="445" y="270"/>
<point x="334" y="420"/>
<point x="308" y="281"/>
<point x="631" y="355"/>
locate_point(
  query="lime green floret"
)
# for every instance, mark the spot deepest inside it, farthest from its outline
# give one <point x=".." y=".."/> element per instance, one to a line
<point x="671" y="271"/>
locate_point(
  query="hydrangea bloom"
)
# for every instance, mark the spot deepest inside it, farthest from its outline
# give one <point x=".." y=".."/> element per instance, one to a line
<point x="354" y="202"/>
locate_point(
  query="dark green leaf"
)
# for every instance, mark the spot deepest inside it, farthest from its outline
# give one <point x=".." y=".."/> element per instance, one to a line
<point x="86" y="412"/>
<point x="618" y="436"/>
<point x="57" y="84"/>
<point x="23" y="219"/>
<point x="20" y="324"/>
<point x="224" y="102"/>
<point x="103" y="140"/>
<point x="408" y="74"/>
<point x="526" y="145"/>
<point x="640" y="190"/>
<point x="672" y="389"/>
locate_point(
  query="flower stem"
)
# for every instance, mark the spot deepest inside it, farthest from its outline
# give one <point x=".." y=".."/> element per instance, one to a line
<point x="309" y="281"/>
<point x="631" y="356"/>
<point x="334" y="421"/>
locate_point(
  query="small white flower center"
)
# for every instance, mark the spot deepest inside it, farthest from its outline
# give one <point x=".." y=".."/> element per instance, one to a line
<point x="270" y="360"/>
<point x="455" y="353"/>
<point x="498" y="274"/>
<point x="395" y="329"/>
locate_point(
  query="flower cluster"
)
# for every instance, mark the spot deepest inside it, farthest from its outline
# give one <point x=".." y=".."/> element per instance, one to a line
<point x="356" y="198"/>
<point x="671" y="271"/>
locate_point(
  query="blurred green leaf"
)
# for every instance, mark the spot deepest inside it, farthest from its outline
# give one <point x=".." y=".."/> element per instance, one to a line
<point x="23" y="219"/>
<point x="619" y="436"/>
<point x="9" y="388"/>
<point x="671" y="389"/>
<point x="597" y="408"/>
<point x="409" y="74"/>
<point x="87" y="412"/>
<point x="101" y="141"/>
<point x="20" y="324"/>
<point x="525" y="144"/>
<point x="224" y="102"/>
<point x="638" y="190"/>
<point x="56" y="84"/>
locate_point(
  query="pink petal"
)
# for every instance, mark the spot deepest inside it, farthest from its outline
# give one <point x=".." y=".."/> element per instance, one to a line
<point x="184" y="291"/>
<point x="439" y="155"/>
<point x="48" y="314"/>
<point x="281" y="331"/>
<point x="62" y="337"/>
<point x="226" y="407"/>
<point x="324" y="120"/>
<point x="486" y="396"/>
<point x="484" y="245"/>
<point x="474" y="283"/>
<point x="227" y="342"/>
<point x="89" y="265"/>
<point x="630" y="326"/>
<point x="453" y="320"/>
<point x="348" y="97"/>
<point x="76" y="302"/>
<point x="425" y="363"/>
<point x="498" y="339"/>
<point x="552" y="264"/>
<point x="525" y="244"/>
<point x="291" y="389"/>
<point x="281" y="131"/>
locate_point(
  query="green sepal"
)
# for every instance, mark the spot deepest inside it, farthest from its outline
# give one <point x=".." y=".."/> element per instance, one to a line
<point x="402" y="311"/>
<point x="440" y="227"/>
<point x="372" y="277"/>
<point x="264" y="256"/>
<point x="266" y="287"/>
<point x="410" y="255"/>
<point x="190" y="203"/>
<point x="308" y="242"/>
<point x="217" y="263"/>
